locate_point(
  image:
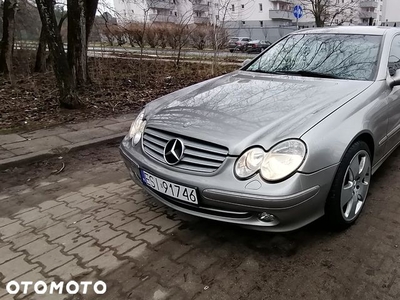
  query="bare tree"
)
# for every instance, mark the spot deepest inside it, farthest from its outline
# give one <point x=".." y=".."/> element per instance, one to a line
<point x="220" y="14"/>
<point x="77" y="40"/>
<point x="41" y="53"/>
<point x="81" y="14"/>
<point x="180" y="33"/>
<point x="199" y="36"/>
<point x="7" y="42"/>
<point x="64" y="77"/>
<point x="327" y="11"/>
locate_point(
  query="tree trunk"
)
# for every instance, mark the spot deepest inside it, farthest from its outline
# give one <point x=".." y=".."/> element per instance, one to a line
<point x="91" y="9"/>
<point x="41" y="54"/>
<point x="77" y="42"/>
<point x="319" y="22"/>
<point x="65" y="82"/>
<point x="7" y="43"/>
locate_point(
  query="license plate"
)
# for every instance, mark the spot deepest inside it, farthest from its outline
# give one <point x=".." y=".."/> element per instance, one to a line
<point x="171" y="189"/>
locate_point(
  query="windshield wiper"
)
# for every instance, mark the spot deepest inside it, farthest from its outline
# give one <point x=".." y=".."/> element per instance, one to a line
<point x="307" y="74"/>
<point x="265" y="72"/>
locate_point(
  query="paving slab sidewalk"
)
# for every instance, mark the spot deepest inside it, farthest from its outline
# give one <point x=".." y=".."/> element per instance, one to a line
<point x="16" y="149"/>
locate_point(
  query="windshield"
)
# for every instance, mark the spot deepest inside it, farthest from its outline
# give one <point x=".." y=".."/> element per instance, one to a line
<point x="333" y="55"/>
<point x="233" y="40"/>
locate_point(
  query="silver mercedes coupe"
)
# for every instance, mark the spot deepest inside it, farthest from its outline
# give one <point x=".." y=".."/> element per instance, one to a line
<point x="292" y="136"/>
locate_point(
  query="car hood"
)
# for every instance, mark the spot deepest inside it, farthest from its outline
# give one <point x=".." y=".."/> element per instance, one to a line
<point x="242" y="109"/>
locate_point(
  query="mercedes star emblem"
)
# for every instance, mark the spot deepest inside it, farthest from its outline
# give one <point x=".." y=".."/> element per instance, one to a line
<point x="173" y="151"/>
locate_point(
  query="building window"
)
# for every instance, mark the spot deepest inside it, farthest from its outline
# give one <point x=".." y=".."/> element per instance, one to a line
<point x="176" y="14"/>
<point x="260" y="5"/>
<point x="243" y="22"/>
<point x="233" y="7"/>
<point x="261" y="24"/>
<point x="242" y="5"/>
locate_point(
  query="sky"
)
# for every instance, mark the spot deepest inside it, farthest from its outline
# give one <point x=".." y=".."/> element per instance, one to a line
<point x="106" y="5"/>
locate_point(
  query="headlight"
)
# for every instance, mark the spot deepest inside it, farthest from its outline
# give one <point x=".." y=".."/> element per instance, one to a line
<point x="283" y="160"/>
<point x="249" y="162"/>
<point x="137" y="128"/>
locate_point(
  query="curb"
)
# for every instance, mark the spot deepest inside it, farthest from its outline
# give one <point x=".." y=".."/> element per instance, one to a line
<point x="45" y="154"/>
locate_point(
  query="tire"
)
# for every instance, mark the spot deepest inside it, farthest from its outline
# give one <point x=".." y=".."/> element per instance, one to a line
<point x="231" y="50"/>
<point x="350" y="187"/>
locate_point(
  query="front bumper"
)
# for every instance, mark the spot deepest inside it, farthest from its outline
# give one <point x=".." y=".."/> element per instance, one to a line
<point x="294" y="203"/>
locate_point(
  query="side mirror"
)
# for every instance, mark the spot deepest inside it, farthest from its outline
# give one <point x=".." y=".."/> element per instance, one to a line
<point x="247" y="61"/>
<point x="395" y="80"/>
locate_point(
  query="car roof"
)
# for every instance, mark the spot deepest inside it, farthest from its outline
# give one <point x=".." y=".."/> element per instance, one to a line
<point x="369" y="30"/>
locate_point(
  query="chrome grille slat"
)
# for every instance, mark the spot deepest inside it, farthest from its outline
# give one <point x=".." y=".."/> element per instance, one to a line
<point x="199" y="156"/>
<point x="199" y="162"/>
<point x="203" y="148"/>
<point x="194" y="153"/>
<point x="154" y="147"/>
<point x="157" y="134"/>
<point x="153" y="154"/>
<point x="154" y="140"/>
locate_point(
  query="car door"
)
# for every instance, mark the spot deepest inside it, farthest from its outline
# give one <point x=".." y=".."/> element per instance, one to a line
<point x="393" y="131"/>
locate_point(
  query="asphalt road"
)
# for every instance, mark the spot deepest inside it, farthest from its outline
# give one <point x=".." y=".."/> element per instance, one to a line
<point x="90" y="222"/>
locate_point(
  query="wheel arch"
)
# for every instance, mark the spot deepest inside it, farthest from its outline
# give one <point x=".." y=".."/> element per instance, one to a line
<point x="365" y="136"/>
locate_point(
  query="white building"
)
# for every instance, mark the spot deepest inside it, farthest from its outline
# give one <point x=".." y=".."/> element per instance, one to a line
<point x="262" y="13"/>
<point x="391" y="13"/>
<point x="257" y="19"/>
<point x="170" y="11"/>
<point x="371" y="12"/>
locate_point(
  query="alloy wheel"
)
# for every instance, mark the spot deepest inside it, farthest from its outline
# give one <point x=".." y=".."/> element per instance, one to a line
<point x="355" y="185"/>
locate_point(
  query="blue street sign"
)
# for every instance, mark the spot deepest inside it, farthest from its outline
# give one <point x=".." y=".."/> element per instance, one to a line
<point x="297" y="11"/>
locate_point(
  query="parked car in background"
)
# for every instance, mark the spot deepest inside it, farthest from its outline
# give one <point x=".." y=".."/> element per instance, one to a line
<point x="257" y="46"/>
<point x="294" y="135"/>
<point x="238" y="43"/>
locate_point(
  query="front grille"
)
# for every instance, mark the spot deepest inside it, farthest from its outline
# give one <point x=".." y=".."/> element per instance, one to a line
<point x="199" y="156"/>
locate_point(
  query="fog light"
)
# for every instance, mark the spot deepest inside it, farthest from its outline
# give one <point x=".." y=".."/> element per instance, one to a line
<point x="266" y="217"/>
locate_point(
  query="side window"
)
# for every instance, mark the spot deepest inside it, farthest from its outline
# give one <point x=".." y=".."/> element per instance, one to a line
<point x="394" y="56"/>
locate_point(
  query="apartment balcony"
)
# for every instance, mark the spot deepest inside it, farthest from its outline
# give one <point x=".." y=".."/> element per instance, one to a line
<point x="201" y="20"/>
<point x="159" y="4"/>
<point x="162" y="18"/>
<point x="368" y="4"/>
<point x="368" y="14"/>
<point x="286" y="15"/>
<point x="200" y="7"/>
